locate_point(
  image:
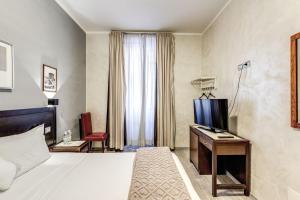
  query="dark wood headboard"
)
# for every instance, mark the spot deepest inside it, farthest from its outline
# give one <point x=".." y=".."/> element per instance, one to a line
<point x="14" y="122"/>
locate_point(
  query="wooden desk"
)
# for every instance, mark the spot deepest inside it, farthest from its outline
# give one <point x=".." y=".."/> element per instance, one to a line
<point x="81" y="148"/>
<point x="212" y="155"/>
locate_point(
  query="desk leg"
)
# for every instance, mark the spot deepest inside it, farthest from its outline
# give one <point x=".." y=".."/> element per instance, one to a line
<point x="248" y="168"/>
<point x="214" y="173"/>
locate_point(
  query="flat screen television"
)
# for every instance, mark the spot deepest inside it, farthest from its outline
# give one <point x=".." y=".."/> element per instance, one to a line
<point x="212" y="113"/>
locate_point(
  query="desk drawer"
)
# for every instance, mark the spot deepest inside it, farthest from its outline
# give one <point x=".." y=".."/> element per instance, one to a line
<point x="206" y="141"/>
<point x="231" y="149"/>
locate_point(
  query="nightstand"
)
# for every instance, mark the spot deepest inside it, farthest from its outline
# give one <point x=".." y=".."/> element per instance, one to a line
<point x="74" y="146"/>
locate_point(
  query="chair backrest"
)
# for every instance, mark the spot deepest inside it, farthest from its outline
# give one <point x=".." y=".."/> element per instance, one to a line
<point x="86" y="124"/>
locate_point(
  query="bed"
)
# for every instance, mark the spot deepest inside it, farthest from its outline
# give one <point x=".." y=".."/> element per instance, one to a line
<point x="71" y="175"/>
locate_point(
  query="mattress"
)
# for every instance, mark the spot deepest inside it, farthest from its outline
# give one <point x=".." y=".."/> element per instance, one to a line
<point x="77" y="176"/>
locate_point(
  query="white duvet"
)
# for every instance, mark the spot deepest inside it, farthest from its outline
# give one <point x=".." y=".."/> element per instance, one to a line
<point x="78" y="176"/>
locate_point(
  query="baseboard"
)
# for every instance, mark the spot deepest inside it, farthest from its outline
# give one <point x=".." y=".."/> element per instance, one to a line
<point x="178" y="148"/>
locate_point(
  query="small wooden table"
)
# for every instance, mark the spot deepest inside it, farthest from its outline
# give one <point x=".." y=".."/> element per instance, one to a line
<point x="213" y="155"/>
<point x="74" y="146"/>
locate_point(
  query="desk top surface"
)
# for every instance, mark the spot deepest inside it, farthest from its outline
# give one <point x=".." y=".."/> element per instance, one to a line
<point x="215" y="136"/>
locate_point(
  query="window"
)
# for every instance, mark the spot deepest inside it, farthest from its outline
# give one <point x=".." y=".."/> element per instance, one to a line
<point x="140" y="88"/>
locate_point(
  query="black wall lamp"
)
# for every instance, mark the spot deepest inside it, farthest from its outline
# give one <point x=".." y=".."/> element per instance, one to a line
<point x="53" y="102"/>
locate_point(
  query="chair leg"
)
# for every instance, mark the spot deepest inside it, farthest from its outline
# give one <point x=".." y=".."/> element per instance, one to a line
<point x="103" y="146"/>
<point x="90" y="145"/>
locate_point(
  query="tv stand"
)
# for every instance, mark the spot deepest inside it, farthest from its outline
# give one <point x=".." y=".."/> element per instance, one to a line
<point x="217" y="131"/>
<point x="213" y="155"/>
<point x="209" y="129"/>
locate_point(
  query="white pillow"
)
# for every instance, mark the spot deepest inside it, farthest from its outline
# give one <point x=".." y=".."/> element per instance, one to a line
<point x="8" y="172"/>
<point x="26" y="150"/>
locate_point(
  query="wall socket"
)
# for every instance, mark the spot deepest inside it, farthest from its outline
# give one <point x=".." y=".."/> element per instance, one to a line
<point x="244" y="65"/>
<point x="48" y="129"/>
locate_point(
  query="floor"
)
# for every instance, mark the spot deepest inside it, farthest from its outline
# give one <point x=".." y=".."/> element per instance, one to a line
<point x="132" y="148"/>
<point x="202" y="184"/>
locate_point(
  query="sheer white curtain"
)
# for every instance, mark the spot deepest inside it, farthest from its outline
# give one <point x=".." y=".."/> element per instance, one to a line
<point x="140" y="88"/>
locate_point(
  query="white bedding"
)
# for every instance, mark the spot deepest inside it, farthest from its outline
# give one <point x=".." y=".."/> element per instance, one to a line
<point x="77" y="176"/>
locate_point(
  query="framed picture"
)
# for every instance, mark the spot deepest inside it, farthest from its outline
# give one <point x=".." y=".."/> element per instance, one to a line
<point x="49" y="79"/>
<point x="6" y="66"/>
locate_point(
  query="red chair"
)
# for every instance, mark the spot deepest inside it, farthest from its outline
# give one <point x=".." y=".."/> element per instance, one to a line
<point x="88" y="135"/>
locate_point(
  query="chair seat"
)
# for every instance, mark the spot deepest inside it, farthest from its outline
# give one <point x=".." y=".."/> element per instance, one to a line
<point x="98" y="136"/>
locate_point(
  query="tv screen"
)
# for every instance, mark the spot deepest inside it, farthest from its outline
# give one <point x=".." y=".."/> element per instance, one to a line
<point x="212" y="113"/>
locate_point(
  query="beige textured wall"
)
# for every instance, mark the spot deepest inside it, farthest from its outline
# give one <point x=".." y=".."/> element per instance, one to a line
<point x="187" y="68"/>
<point x="97" y="78"/>
<point x="260" y="30"/>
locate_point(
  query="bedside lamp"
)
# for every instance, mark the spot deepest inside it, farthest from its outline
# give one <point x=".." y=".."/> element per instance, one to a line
<point x="53" y="102"/>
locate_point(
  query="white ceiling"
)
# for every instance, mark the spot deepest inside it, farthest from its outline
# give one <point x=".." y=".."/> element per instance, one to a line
<point x="186" y="16"/>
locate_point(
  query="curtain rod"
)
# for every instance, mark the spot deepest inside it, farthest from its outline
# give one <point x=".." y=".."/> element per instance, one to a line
<point x="141" y="32"/>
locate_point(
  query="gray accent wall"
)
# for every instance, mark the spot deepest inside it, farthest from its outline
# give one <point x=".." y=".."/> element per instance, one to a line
<point x="42" y="33"/>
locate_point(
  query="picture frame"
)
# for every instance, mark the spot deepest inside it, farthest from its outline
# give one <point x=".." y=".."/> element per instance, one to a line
<point x="49" y="78"/>
<point x="6" y="66"/>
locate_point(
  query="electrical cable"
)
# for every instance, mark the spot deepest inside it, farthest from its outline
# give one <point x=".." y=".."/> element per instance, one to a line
<point x="237" y="91"/>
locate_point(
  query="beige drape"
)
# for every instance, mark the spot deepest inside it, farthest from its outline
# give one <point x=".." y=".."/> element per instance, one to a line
<point x="165" y="120"/>
<point x="116" y="104"/>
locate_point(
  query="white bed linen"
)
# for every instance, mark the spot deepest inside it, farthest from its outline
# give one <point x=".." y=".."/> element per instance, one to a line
<point x="77" y="176"/>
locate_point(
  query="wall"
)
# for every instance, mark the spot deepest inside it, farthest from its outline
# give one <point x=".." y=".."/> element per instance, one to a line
<point x="187" y="68"/>
<point x="42" y="33"/>
<point x="259" y="30"/>
<point x="97" y="69"/>
<point x="187" y="65"/>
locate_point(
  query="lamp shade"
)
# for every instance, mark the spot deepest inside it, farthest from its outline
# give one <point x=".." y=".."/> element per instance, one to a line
<point x="53" y="102"/>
